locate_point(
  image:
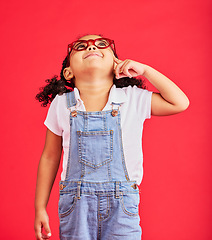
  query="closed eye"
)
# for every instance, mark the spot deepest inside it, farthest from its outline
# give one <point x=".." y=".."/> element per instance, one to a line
<point x="80" y="46"/>
<point x="102" y="44"/>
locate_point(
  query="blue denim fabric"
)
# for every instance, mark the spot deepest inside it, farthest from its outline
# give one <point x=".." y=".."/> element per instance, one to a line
<point x="97" y="199"/>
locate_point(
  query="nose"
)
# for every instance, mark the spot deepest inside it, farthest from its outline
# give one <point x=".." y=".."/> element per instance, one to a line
<point x="92" y="47"/>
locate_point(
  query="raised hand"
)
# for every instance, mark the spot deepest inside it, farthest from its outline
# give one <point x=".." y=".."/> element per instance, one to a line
<point x="128" y="68"/>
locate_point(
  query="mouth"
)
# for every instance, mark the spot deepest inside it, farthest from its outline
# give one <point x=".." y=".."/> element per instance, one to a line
<point x="92" y="55"/>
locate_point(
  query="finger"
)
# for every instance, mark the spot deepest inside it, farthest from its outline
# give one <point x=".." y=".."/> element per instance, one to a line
<point x="129" y="69"/>
<point x="44" y="236"/>
<point x="116" y="60"/>
<point x="38" y="234"/>
<point x="47" y="230"/>
<point x="114" y="66"/>
<point x="125" y="68"/>
<point x="126" y="62"/>
<point x="118" y="67"/>
<point x="122" y="75"/>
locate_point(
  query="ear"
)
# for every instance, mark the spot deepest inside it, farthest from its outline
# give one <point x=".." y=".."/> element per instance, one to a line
<point x="67" y="73"/>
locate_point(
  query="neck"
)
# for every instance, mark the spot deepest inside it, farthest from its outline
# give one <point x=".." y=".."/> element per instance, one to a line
<point x="94" y="88"/>
<point x="94" y="94"/>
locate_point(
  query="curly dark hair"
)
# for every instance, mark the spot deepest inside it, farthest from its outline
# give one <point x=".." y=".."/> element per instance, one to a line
<point x="55" y="86"/>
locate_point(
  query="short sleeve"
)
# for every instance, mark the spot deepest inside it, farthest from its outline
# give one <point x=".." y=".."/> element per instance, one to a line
<point x="52" y="118"/>
<point x="143" y="99"/>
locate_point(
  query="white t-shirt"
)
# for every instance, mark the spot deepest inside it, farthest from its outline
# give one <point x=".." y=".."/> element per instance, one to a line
<point x="135" y="108"/>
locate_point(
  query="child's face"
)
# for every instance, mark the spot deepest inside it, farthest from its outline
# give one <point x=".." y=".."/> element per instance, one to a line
<point x="92" y="59"/>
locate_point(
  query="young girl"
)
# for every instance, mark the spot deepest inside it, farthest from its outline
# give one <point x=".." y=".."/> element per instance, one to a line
<point x="96" y="117"/>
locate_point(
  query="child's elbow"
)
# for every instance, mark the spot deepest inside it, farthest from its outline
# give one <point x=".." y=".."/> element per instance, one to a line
<point x="184" y="105"/>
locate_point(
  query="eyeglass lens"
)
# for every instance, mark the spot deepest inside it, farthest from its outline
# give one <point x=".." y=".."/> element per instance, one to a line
<point x="102" y="43"/>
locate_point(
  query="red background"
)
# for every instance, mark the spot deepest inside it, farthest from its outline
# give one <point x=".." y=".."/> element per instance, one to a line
<point x="172" y="36"/>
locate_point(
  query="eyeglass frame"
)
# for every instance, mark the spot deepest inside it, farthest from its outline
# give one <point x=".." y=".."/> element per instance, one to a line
<point x="70" y="46"/>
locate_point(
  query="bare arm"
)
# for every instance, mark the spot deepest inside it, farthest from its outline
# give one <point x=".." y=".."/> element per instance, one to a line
<point x="47" y="171"/>
<point x="170" y="99"/>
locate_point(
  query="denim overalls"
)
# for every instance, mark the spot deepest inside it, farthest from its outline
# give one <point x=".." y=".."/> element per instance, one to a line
<point x="97" y="199"/>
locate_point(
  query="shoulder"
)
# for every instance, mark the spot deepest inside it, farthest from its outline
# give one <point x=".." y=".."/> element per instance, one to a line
<point x="141" y="100"/>
<point x="134" y="88"/>
<point x="58" y="104"/>
<point x="136" y="101"/>
<point x="136" y="92"/>
<point x="59" y="99"/>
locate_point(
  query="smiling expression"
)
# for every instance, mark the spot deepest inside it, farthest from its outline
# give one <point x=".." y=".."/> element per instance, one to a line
<point x="92" y="58"/>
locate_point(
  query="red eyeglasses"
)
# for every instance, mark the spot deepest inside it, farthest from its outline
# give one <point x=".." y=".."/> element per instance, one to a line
<point x="100" y="43"/>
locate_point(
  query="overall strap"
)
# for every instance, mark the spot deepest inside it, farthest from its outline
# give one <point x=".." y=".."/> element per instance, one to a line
<point x="116" y="109"/>
<point x="118" y="104"/>
<point x="71" y="100"/>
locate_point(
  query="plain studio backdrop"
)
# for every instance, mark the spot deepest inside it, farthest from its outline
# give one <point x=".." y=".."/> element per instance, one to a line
<point x="172" y="36"/>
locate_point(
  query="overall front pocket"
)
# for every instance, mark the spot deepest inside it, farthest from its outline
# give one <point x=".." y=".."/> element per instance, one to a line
<point x="129" y="203"/>
<point x="67" y="203"/>
<point x="95" y="147"/>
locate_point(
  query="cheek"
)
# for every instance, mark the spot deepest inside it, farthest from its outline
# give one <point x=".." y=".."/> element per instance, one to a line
<point x="109" y="56"/>
<point x="75" y="61"/>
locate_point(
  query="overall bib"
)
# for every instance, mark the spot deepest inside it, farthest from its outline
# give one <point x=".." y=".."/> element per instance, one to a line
<point x="97" y="199"/>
